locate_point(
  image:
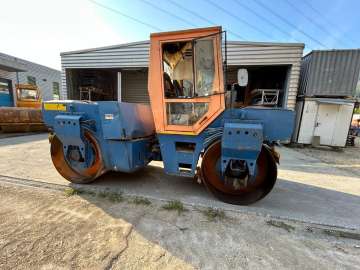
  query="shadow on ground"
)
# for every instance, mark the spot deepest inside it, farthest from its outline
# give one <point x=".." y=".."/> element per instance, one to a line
<point x="21" y="138"/>
<point x="288" y="199"/>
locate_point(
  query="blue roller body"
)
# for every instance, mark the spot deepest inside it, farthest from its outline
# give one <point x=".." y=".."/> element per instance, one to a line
<point x="270" y="124"/>
<point x="123" y="131"/>
<point x="125" y="134"/>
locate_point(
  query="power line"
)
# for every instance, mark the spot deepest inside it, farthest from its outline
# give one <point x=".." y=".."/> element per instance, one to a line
<point x="126" y="16"/>
<point x="289" y="23"/>
<point x="236" y="17"/>
<point x="202" y="18"/>
<point x="312" y="21"/>
<point x="326" y="20"/>
<point x="169" y="13"/>
<point x="264" y="19"/>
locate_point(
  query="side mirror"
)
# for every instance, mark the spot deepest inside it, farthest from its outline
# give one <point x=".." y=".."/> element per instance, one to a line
<point x="242" y="77"/>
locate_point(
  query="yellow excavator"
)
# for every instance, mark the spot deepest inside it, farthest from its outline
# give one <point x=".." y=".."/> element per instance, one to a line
<point x="26" y="115"/>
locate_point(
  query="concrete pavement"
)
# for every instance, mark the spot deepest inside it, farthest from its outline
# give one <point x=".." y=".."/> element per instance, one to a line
<point x="307" y="189"/>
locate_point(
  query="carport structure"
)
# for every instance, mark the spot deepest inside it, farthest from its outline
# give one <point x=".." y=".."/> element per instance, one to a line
<point x="119" y="72"/>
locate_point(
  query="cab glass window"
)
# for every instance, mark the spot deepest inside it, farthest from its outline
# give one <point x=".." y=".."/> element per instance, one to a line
<point x="4" y="87"/>
<point x="182" y="61"/>
<point x="185" y="113"/>
<point x="178" y="69"/>
<point x="189" y="73"/>
<point x="204" y="67"/>
<point x="28" y="94"/>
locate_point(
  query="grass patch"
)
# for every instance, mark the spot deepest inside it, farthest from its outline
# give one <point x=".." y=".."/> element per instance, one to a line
<point x="343" y="234"/>
<point x="214" y="214"/>
<point x="102" y="194"/>
<point x="89" y="192"/>
<point x="175" y="206"/>
<point x="115" y="197"/>
<point x="140" y="200"/>
<point x="111" y="196"/>
<point x="70" y="192"/>
<point x="76" y="191"/>
<point x="280" y="224"/>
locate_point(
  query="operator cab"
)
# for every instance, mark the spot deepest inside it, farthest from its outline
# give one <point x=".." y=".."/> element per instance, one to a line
<point x="28" y="95"/>
<point x="189" y="80"/>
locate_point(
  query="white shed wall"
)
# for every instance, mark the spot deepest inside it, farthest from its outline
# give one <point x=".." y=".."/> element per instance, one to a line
<point x="342" y="124"/>
<point x="307" y="124"/>
<point x="338" y="123"/>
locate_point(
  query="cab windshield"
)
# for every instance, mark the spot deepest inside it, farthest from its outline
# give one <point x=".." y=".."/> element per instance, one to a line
<point x="189" y="68"/>
<point x="29" y="94"/>
<point x="189" y="73"/>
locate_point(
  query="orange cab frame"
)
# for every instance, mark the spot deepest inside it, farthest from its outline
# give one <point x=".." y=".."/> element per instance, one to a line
<point x="32" y="101"/>
<point x="214" y="102"/>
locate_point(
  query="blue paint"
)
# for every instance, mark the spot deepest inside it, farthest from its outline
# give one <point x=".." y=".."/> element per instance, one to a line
<point x="68" y="129"/>
<point x="241" y="141"/>
<point x="6" y="100"/>
<point x="128" y="142"/>
<point x="276" y="124"/>
<point x="172" y="156"/>
<point x="116" y="134"/>
<point x="128" y="156"/>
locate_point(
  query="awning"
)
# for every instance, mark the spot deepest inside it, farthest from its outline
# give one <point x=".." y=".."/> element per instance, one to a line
<point x="336" y="101"/>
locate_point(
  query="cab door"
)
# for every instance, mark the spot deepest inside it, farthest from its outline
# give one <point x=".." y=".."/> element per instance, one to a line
<point x="186" y="80"/>
<point x="193" y="89"/>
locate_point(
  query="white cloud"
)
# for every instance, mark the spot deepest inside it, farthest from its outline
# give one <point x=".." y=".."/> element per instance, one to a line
<point x="39" y="30"/>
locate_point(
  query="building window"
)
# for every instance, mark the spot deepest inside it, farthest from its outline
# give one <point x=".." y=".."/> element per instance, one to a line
<point x="56" y="90"/>
<point x="4" y="86"/>
<point x="31" y="80"/>
<point x="357" y="91"/>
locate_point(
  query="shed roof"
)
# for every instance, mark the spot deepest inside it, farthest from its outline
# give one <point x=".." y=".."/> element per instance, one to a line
<point x="14" y="64"/>
<point x="117" y="46"/>
<point x="136" y="54"/>
<point x="147" y="42"/>
<point x="10" y="63"/>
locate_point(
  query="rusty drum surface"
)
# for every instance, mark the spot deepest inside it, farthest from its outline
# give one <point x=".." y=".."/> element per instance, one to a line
<point x="13" y="119"/>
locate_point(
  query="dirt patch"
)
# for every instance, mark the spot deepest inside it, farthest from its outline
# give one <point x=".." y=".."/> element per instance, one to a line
<point x="42" y="229"/>
<point x="347" y="159"/>
<point x="50" y="230"/>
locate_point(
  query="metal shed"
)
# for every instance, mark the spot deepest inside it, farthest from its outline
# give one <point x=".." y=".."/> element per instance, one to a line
<point x="323" y="121"/>
<point x="128" y="65"/>
<point x="15" y="70"/>
<point x="331" y="73"/>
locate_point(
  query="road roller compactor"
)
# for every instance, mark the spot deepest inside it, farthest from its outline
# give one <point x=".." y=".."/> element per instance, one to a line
<point x="25" y="116"/>
<point x="189" y="125"/>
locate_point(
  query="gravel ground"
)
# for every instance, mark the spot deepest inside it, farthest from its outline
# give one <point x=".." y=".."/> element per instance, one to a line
<point x="46" y="229"/>
<point x="347" y="159"/>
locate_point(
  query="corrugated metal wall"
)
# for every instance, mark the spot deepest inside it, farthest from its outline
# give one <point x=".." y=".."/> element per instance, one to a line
<point x="330" y="73"/>
<point x="134" y="86"/>
<point x="44" y="76"/>
<point x="260" y="54"/>
<point x="8" y="75"/>
<point x="239" y="53"/>
<point x="121" y="56"/>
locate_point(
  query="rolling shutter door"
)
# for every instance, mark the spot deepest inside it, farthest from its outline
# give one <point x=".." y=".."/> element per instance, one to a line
<point x="134" y="87"/>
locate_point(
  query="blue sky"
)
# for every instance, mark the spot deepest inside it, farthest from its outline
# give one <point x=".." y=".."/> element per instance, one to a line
<point x="337" y="25"/>
<point x="58" y="26"/>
